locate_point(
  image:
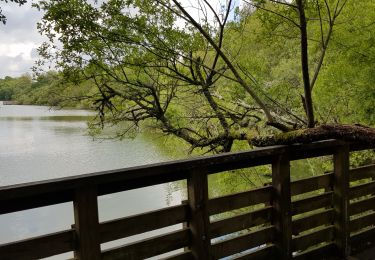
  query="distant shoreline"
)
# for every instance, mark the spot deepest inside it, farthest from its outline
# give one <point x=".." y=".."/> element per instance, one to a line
<point x="8" y="102"/>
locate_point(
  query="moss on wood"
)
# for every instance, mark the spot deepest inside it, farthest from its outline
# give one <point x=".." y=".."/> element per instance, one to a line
<point x="350" y="133"/>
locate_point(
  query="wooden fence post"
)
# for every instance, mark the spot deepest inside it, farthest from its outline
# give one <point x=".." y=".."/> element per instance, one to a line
<point x="341" y="199"/>
<point x="281" y="202"/>
<point x="197" y="184"/>
<point x="87" y="224"/>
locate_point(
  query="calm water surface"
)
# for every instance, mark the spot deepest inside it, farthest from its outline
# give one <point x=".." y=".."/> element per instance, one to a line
<point x="37" y="143"/>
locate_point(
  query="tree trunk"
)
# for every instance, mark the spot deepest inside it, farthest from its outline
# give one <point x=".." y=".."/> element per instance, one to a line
<point x="305" y="65"/>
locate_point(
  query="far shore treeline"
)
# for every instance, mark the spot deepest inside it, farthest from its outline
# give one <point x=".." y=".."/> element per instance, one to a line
<point x="46" y="89"/>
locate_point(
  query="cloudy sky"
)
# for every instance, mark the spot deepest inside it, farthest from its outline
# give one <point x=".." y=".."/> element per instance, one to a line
<point x="19" y="38"/>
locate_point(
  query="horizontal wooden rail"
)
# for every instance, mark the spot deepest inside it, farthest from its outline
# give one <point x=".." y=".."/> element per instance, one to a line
<point x="243" y="242"/>
<point x="311" y="184"/>
<point x="129" y="226"/>
<point x="312" y="221"/>
<point x="43" y="193"/>
<point x="322" y="227"/>
<point x="239" y="200"/>
<point x="312" y="203"/>
<point x="39" y="247"/>
<point x="364" y="172"/>
<point x="362" y="222"/>
<point x="240" y="222"/>
<point x="362" y="190"/>
<point x="150" y="247"/>
<point x="305" y="241"/>
<point x="362" y="206"/>
<point x="363" y="239"/>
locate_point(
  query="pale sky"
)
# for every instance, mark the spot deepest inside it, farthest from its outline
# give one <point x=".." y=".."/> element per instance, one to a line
<point x="19" y="38"/>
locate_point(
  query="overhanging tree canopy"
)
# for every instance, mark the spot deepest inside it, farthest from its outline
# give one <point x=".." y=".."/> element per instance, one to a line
<point x="179" y="66"/>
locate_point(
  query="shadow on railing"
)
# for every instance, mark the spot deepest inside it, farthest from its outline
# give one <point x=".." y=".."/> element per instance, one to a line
<point x="337" y="221"/>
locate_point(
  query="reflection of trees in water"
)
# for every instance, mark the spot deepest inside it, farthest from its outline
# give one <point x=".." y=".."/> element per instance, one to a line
<point x="175" y="187"/>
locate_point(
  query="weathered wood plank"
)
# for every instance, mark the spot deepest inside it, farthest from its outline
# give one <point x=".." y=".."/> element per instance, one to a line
<point x="86" y="223"/>
<point x="312" y="203"/>
<point x="61" y="190"/>
<point x="310" y="184"/>
<point x="321" y="252"/>
<point x="243" y="242"/>
<point x="316" y="149"/>
<point x="240" y="222"/>
<point x="362" y="206"/>
<point x="364" y="172"/>
<point x="149" y="247"/>
<point x="312" y="221"/>
<point x="305" y="241"/>
<point x="173" y="170"/>
<point x="281" y="202"/>
<point x="35" y="201"/>
<point x="362" y="190"/>
<point x="198" y="222"/>
<point x="140" y="223"/>
<point x="266" y="252"/>
<point x="43" y="193"/>
<point x="362" y="222"/>
<point x="341" y="200"/>
<point x="360" y="146"/>
<point x="239" y="200"/>
<point x="39" y="247"/>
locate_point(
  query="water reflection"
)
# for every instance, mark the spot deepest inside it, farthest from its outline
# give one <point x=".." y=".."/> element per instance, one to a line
<point x="37" y="143"/>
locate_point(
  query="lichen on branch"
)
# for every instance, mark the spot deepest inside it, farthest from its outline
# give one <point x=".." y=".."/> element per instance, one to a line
<point x="350" y="133"/>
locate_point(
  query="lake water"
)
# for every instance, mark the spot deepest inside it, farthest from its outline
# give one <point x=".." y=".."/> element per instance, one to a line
<point x="37" y="143"/>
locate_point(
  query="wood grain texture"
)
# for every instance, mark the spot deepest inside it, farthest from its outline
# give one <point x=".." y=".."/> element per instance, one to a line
<point x="86" y="224"/>
<point x="240" y="200"/>
<point x="362" y="222"/>
<point x="149" y="247"/>
<point x="364" y="172"/>
<point x="241" y="222"/>
<point x="281" y="202"/>
<point x="42" y="193"/>
<point x="312" y="203"/>
<point x="314" y="238"/>
<point x="243" y="242"/>
<point x="362" y="206"/>
<point x="341" y="200"/>
<point x="304" y="223"/>
<point x="39" y="247"/>
<point x="140" y="223"/>
<point x="311" y="184"/>
<point x="198" y="220"/>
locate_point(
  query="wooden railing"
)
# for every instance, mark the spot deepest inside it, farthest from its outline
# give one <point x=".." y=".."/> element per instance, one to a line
<point x="336" y="217"/>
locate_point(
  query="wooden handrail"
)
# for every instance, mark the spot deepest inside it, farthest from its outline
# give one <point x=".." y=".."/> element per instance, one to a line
<point x="275" y="216"/>
<point x="43" y="193"/>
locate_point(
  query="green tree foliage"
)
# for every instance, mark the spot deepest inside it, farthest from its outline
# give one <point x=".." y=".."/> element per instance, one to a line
<point x="210" y="80"/>
<point x="11" y="87"/>
<point x="47" y="89"/>
<point x="346" y="88"/>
